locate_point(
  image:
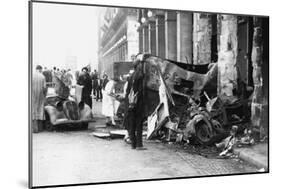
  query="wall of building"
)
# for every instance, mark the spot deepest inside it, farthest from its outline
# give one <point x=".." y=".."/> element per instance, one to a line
<point x="119" y="40"/>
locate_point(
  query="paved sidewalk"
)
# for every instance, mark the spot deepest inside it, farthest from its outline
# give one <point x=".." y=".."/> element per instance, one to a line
<point x="256" y="155"/>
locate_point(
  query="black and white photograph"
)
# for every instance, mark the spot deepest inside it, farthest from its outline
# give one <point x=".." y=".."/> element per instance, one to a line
<point x="126" y="94"/>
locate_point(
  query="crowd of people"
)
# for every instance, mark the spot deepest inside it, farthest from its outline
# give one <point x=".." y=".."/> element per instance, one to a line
<point x="100" y="88"/>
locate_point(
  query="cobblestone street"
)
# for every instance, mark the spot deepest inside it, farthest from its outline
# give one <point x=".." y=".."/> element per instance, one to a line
<point x="77" y="157"/>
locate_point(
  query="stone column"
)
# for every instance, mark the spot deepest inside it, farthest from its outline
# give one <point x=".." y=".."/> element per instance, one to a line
<point x="139" y="29"/>
<point x="184" y="36"/>
<point x="227" y="73"/>
<point x="171" y="35"/>
<point x="259" y="106"/>
<point x="132" y="46"/>
<point x="140" y="40"/>
<point x="160" y="36"/>
<point x="145" y="38"/>
<point x="202" y="35"/>
<point x="152" y="37"/>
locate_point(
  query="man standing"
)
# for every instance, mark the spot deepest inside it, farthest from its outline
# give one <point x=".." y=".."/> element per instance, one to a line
<point x="99" y="88"/>
<point x="39" y="91"/>
<point x="136" y="111"/>
<point x="48" y="76"/>
<point x="85" y="80"/>
<point x="127" y="88"/>
<point x="94" y="77"/>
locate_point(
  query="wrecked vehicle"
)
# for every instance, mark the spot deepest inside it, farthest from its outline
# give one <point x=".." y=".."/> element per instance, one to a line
<point x="183" y="102"/>
<point x="65" y="110"/>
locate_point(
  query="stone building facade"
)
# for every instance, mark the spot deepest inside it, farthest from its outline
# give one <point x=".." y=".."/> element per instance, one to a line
<point x="118" y="37"/>
<point x="238" y="44"/>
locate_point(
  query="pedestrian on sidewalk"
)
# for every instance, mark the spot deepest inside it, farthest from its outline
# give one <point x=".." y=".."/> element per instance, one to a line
<point x="99" y="88"/>
<point x="108" y="103"/>
<point x="39" y="91"/>
<point x="94" y="77"/>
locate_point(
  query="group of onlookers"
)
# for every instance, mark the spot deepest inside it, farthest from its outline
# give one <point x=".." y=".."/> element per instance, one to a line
<point x="41" y="80"/>
<point x="103" y="89"/>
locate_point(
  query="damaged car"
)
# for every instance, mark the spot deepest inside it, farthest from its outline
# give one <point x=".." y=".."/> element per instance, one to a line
<point x="63" y="109"/>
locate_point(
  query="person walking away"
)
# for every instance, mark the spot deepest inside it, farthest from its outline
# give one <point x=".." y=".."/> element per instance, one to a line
<point x="86" y="81"/>
<point x="108" y="104"/>
<point x="99" y="88"/>
<point x="39" y="91"/>
<point x="94" y="77"/>
<point x="136" y="110"/>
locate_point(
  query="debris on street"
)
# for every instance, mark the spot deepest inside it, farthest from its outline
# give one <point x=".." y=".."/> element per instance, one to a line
<point x="100" y="134"/>
<point x="228" y="143"/>
<point x="190" y="112"/>
<point x="247" y="139"/>
<point x="118" y="133"/>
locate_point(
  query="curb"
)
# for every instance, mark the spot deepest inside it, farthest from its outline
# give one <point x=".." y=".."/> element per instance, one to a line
<point x="255" y="159"/>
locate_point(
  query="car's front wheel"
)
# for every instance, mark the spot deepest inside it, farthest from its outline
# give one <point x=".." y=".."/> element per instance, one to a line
<point x="48" y="125"/>
<point x="84" y="126"/>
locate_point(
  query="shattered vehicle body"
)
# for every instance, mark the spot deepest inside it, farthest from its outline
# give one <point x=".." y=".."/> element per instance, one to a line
<point x="186" y="104"/>
<point x="63" y="109"/>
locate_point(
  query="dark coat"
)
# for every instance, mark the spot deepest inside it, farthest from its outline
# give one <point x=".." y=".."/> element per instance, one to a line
<point x="126" y="103"/>
<point x="94" y="77"/>
<point x="137" y="84"/>
<point x="86" y="81"/>
<point x="99" y="84"/>
<point x="104" y="82"/>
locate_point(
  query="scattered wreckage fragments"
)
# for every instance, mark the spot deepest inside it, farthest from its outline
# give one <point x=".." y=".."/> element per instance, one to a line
<point x="106" y="133"/>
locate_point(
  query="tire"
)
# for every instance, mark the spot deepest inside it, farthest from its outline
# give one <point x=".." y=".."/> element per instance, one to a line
<point x="84" y="126"/>
<point x="203" y="133"/>
<point x="47" y="124"/>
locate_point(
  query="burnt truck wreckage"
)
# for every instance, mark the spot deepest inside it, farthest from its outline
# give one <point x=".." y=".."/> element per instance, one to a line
<point x="184" y="106"/>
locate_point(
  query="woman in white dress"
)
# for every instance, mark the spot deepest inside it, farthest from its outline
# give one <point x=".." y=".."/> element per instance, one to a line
<point x="108" y="102"/>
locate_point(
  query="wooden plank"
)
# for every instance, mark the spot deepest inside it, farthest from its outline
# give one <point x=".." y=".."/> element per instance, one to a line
<point x="100" y="126"/>
<point x="117" y="133"/>
<point x="100" y="134"/>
